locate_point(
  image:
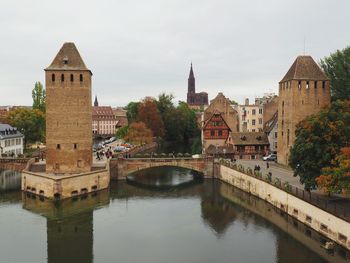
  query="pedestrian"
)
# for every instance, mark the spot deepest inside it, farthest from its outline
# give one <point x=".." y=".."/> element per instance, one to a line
<point x="258" y="168"/>
<point x="267" y="165"/>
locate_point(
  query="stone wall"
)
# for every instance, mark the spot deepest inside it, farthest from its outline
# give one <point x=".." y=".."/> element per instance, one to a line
<point x="13" y="164"/>
<point x="325" y="223"/>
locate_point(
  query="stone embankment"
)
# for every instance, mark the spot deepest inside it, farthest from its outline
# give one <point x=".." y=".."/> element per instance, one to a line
<point x="16" y="164"/>
<point x="330" y="225"/>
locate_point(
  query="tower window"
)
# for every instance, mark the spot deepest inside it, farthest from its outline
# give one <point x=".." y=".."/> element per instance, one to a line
<point x="299" y="85"/>
<point x="58" y="146"/>
<point x="81" y="77"/>
<point x="71" y="77"/>
<point x="53" y="77"/>
<point x="75" y="146"/>
<point x="315" y="84"/>
<point x="62" y="77"/>
<point x="323" y="84"/>
<point x="307" y="85"/>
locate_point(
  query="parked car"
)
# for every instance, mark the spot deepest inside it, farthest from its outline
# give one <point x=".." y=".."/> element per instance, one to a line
<point x="270" y="157"/>
<point x="120" y="148"/>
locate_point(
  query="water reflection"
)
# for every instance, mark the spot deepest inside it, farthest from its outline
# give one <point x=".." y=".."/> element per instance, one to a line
<point x="9" y="180"/>
<point x="207" y="222"/>
<point x="165" y="177"/>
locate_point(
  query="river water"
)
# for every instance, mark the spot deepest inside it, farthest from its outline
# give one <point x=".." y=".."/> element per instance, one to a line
<point x="204" y="221"/>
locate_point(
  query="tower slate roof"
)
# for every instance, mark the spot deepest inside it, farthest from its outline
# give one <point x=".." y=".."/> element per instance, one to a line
<point x="191" y="76"/>
<point x="304" y="67"/>
<point x="68" y="58"/>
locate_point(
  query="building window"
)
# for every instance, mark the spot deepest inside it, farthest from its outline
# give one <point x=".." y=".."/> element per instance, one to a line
<point x="212" y="133"/>
<point x="307" y="85"/>
<point x="62" y="77"/>
<point x="323" y="84"/>
<point x="275" y="145"/>
<point x="299" y="85"/>
<point x="58" y="146"/>
<point x="220" y="133"/>
<point x="71" y="78"/>
<point x="260" y="120"/>
<point x="275" y="134"/>
<point x="315" y="84"/>
<point x="53" y="77"/>
<point x="253" y="122"/>
<point x="75" y="146"/>
<point x="253" y="112"/>
<point x="81" y="77"/>
<point x="260" y="111"/>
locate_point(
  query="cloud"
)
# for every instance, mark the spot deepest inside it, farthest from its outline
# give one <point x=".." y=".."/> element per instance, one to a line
<point x="140" y="48"/>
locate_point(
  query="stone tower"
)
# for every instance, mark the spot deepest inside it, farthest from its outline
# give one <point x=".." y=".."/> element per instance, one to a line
<point x="68" y="113"/>
<point x="303" y="91"/>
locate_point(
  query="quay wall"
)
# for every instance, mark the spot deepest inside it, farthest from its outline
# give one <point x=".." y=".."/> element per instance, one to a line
<point x="16" y="164"/>
<point x="321" y="221"/>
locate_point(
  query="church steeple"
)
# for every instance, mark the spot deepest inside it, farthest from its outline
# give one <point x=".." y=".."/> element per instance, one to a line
<point x="191" y="82"/>
<point x="96" y="102"/>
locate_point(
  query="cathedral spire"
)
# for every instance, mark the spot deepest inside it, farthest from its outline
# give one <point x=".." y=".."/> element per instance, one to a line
<point x="191" y="82"/>
<point x="96" y="102"/>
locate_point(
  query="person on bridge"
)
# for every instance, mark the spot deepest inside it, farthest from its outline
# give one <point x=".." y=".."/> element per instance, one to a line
<point x="267" y="165"/>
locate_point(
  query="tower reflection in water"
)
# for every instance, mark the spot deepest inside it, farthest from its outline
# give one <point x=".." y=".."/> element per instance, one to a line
<point x="69" y="225"/>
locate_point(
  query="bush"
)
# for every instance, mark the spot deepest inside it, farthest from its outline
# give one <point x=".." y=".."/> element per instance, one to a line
<point x="249" y="171"/>
<point x="287" y="187"/>
<point x="179" y="155"/>
<point x="187" y="155"/>
<point x="277" y="182"/>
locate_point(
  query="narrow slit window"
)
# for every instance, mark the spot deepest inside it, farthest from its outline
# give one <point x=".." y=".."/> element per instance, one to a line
<point x="53" y="77"/>
<point x="58" y="146"/>
<point x="75" y="146"/>
<point x="71" y="78"/>
<point x="62" y="77"/>
<point x="299" y="85"/>
<point x="81" y="77"/>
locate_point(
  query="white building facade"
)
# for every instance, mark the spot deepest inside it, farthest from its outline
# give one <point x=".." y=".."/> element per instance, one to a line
<point x="11" y="141"/>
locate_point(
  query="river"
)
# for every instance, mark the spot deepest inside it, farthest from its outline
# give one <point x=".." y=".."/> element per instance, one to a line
<point x="172" y="217"/>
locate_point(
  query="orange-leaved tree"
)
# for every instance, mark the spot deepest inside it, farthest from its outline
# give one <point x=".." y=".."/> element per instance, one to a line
<point x="148" y="114"/>
<point x="138" y="133"/>
<point x="336" y="179"/>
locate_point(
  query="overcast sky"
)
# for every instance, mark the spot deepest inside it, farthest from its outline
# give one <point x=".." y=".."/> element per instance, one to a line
<point x="138" y="48"/>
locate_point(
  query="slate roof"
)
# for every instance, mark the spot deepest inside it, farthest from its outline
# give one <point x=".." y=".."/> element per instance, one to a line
<point x="304" y="67"/>
<point x="212" y="149"/>
<point x="249" y="138"/>
<point x="68" y="58"/>
<point x="7" y="131"/>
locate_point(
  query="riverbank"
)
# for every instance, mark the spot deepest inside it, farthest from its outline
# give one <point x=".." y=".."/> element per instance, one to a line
<point x="329" y="225"/>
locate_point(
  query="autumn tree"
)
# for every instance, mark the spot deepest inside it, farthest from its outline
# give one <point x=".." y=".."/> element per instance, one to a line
<point x="319" y="139"/>
<point x="148" y="114"/>
<point x="132" y="111"/>
<point x="337" y="68"/>
<point x="39" y="97"/>
<point x="138" y="133"/>
<point x="336" y="178"/>
<point x="31" y="122"/>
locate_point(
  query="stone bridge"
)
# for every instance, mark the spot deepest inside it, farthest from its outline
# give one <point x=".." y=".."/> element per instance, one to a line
<point x="120" y="168"/>
<point x="16" y="164"/>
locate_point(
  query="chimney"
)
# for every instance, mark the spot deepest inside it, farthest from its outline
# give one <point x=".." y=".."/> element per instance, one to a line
<point x="246" y="101"/>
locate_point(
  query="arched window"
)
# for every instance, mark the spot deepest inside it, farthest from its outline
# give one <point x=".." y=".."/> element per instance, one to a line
<point x="81" y="77"/>
<point x="62" y="77"/>
<point x="71" y="77"/>
<point x="53" y="77"/>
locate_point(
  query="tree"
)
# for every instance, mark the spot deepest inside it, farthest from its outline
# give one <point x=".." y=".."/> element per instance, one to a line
<point x="30" y="122"/>
<point x="132" y="111"/>
<point x="39" y="97"/>
<point x="337" y="68"/>
<point x="319" y="139"/>
<point x="148" y="114"/>
<point x="122" y="132"/>
<point x="165" y="103"/>
<point x="138" y="133"/>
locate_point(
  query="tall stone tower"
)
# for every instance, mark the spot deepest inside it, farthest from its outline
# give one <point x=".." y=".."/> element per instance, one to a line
<point x="303" y="91"/>
<point x="68" y="113"/>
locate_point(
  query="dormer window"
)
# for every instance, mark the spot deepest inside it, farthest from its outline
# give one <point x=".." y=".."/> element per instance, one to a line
<point x="81" y="77"/>
<point x="65" y="60"/>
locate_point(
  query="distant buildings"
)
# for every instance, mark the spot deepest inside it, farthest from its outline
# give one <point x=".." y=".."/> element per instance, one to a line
<point x="120" y="116"/>
<point x="11" y="140"/>
<point x="104" y="122"/>
<point x="195" y="100"/>
<point x="250" y="117"/>
<point x="271" y="131"/>
<point x="303" y="91"/>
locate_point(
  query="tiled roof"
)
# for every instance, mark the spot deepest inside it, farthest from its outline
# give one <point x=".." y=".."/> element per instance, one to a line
<point x="212" y="149"/>
<point x="304" y="67"/>
<point x="98" y="111"/>
<point x="249" y="138"/>
<point x="68" y="58"/>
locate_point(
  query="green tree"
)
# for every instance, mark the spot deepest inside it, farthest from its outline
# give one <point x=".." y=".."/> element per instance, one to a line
<point x="122" y="132"/>
<point x="39" y="97"/>
<point x="30" y="122"/>
<point x="337" y="68"/>
<point x="132" y="111"/>
<point x="319" y="139"/>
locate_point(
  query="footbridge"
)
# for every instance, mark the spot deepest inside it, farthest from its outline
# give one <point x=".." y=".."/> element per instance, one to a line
<point x="120" y="168"/>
